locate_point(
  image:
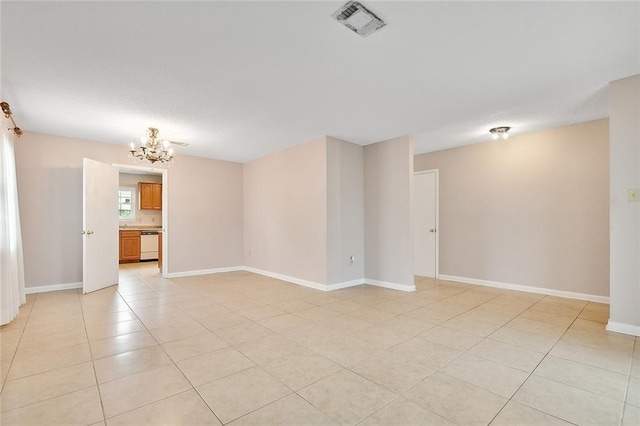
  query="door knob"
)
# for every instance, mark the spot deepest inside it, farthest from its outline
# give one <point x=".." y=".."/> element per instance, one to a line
<point x="89" y="232"/>
<point x="432" y="230"/>
<point x="82" y="233"/>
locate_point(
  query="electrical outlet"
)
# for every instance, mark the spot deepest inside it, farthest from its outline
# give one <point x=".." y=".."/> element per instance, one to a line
<point x="633" y="195"/>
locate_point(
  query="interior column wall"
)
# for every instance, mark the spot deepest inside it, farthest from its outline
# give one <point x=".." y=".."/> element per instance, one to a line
<point x="388" y="191"/>
<point x="624" y="110"/>
<point x="345" y="212"/>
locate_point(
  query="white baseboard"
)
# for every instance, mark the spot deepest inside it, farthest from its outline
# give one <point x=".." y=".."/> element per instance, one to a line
<point x="344" y="284"/>
<point x="294" y="280"/>
<point x="53" y="287"/>
<point x="203" y="272"/>
<point x="526" y="288"/>
<point x="331" y="287"/>
<point x="393" y="286"/>
<point x="620" y="327"/>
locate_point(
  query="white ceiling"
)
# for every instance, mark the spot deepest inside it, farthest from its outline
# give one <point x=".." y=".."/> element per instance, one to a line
<point x="238" y="80"/>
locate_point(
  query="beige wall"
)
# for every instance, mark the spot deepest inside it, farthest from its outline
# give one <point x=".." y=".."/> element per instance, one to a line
<point x="204" y="208"/>
<point x="205" y="214"/>
<point x="143" y="217"/>
<point x="624" y="111"/>
<point x="285" y="212"/>
<point x="531" y="210"/>
<point x="388" y="177"/>
<point x="345" y="211"/>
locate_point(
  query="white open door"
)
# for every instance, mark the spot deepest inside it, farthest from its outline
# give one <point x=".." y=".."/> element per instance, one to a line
<point x="425" y="242"/>
<point x="100" y="225"/>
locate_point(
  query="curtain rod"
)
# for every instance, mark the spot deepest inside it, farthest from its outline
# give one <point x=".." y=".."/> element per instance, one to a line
<point x="8" y="114"/>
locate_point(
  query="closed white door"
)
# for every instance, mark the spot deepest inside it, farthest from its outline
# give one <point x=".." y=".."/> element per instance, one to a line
<point x="425" y="230"/>
<point x="100" y="225"/>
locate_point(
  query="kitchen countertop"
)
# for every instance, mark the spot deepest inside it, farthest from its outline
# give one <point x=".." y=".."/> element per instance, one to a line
<point x="140" y="228"/>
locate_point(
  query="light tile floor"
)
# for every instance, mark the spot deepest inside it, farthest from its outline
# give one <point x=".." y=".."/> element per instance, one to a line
<point x="243" y="349"/>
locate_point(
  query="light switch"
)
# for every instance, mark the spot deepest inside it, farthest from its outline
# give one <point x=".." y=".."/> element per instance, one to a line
<point x="633" y="195"/>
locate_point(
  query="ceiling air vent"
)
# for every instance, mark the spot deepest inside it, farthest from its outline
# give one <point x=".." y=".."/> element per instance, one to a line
<point x="178" y="143"/>
<point x="358" y="18"/>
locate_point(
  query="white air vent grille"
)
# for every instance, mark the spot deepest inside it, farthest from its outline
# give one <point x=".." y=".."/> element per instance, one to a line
<point x="358" y="18"/>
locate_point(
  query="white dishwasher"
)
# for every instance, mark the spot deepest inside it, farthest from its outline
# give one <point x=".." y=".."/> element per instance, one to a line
<point x="148" y="245"/>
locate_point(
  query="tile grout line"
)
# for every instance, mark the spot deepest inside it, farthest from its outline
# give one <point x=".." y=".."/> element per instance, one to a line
<point x="50" y="370"/>
<point x="461" y="352"/>
<point x="54" y="369"/>
<point x="267" y="372"/>
<point x="165" y="352"/>
<point x="93" y="364"/>
<point x="256" y="364"/>
<point x="397" y="396"/>
<point x="626" y="391"/>
<point x="534" y="369"/>
<point x="483" y="339"/>
<point x="13" y="357"/>
<point x="453" y="358"/>
<point x="586" y="365"/>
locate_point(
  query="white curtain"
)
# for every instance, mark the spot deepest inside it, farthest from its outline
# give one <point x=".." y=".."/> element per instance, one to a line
<point x="11" y="265"/>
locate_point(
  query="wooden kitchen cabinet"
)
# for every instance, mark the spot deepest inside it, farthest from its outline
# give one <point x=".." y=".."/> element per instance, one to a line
<point x="150" y="196"/>
<point x="129" y="246"/>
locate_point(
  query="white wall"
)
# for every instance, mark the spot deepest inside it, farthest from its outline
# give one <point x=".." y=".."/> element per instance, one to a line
<point x="624" y="110"/>
<point x="204" y="208"/>
<point x="285" y="212"/>
<point x="345" y="211"/>
<point x="531" y="210"/>
<point x="388" y="191"/>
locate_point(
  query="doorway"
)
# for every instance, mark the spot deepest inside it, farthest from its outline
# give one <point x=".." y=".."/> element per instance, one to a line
<point x="149" y="214"/>
<point x="101" y="226"/>
<point x="425" y="217"/>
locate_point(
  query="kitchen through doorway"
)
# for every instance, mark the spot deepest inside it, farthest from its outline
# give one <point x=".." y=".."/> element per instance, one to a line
<point x="142" y="219"/>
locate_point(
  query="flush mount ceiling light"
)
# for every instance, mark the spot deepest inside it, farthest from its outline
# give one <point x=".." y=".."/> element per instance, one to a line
<point x="500" y="132"/>
<point x="358" y="18"/>
<point x="152" y="148"/>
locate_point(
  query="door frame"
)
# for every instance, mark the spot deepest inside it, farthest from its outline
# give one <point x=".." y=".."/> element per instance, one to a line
<point x="436" y="172"/>
<point x="165" y="209"/>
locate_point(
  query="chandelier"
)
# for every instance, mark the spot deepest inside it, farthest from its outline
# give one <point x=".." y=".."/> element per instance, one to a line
<point x="500" y="132"/>
<point x="152" y="148"/>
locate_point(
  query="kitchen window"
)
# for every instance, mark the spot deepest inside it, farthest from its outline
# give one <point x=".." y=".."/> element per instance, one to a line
<point x="126" y="204"/>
